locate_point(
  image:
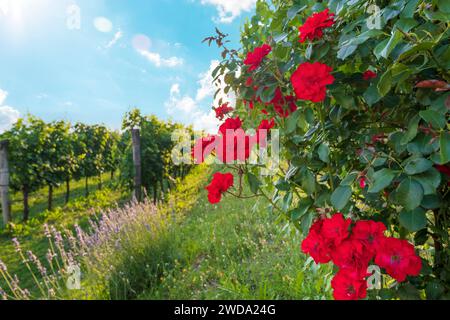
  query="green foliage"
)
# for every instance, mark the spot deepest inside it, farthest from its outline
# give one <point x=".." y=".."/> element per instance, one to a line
<point x="156" y="150"/>
<point x="390" y="130"/>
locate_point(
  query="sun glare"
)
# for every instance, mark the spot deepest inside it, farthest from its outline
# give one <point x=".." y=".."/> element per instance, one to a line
<point x="17" y="14"/>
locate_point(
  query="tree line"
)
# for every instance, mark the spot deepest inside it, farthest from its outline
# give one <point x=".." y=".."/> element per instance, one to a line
<point x="50" y="154"/>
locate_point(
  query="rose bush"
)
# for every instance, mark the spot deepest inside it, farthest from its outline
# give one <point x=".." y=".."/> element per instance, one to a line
<point x="359" y="91"/>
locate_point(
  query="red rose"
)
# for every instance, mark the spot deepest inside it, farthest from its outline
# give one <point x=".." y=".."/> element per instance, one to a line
<point x="443" y="169"/>
<point x="233" y="144"/>
<point x="222" y="111"/>
<point x="249" y="82"/>
<point x="347" y="285"/>
<point x="336" y="229"/>
<point x="249" y="103"/>
<point x="230" y="124"/>
<point x="255" y="58"/>
<point x="368" y="75"/>
<point x="398" y="258"/>
<point x="219" y="185"/>
<point x="202" y="148"/>
<point x="362" y="182"/>
<point x="370" y="233"/>
<point x="261" y="133"/>
<point x="313" y="27"/>
<point x="352" y="254"/>
<point x="310" y="81"/>
<point x="316" y="246"/>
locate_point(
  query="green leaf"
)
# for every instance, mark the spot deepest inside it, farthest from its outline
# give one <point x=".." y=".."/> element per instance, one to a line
<point x="385" y="84"/>
<point x="254" y="182"/>
<point x="434" y="290"/>
<point x="382" y="179"/>
<point x="303" y="207"/>
<point x="410" y="9"/>
<point x="309" y="182"/>
<point x="417" y="166"/>
<point x="413" y="220"/>
<point x="346" y="51"/>
<point x="444" y="6"/>
<point x="431" y="202"/>
<point x="268" y="94"/>
<point x="409" y="194"/>
<point x="287" y="201"/>
<point x="350" y="179"/>
<point x="294" y="10"/>
<point x="324" y="153"/>
<point x="341" y="197"/>
<point x="371" y="95"/>
<point x="282" y="185"/>
<point x="306" y="222"/>
<point x="444" y="142"/>
<point x="291" y="122"/>
<point x="430" y="181"/>
<point x="434" y="118"/>
<point x="413" y="127"/>
<point x="395" y="38"/>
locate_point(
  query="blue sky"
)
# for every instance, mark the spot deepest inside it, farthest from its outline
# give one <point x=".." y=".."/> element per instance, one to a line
<point x="92" y="60"/>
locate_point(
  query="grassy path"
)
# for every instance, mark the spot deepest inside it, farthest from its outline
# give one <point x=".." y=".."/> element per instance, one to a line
<point x="234" y="250"/>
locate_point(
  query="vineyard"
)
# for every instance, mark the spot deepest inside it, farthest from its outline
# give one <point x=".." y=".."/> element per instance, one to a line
<point x="328" y="177"/>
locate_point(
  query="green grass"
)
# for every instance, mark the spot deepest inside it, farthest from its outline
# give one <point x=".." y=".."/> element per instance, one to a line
<point x="38" y="200"/>
<point x="234" y="250"/>
<point x="31" y="234"/>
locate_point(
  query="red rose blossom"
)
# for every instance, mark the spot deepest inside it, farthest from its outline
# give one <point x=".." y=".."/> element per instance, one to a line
<point x="347" y="285"/>
<point x="249" y="82"/>
<point x="368" y="75"/>
<point x="310" y="81"/>
<point x="313" y="27"/>
<point x="230" y="124"/>
<point x="262" y="131"/>
<point x="233" y="144"/>
<point x="398" y="258"/>
<point x="443" y="169"/>
<point x="219" y="185"/>
<point x="202" y="148"/>
<point x="222" y="111"/>
<point x="370" y="233"/>
<point x="336" y="229"/>
<point x="362" y="182"/>
<point x="317" y="247"/>
<point x="255" y="58"/>
<point x="352" y="254"/>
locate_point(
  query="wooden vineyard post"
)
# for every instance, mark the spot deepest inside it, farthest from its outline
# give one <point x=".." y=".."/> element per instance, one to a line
<point x="4" y="182"/>
<point x="135" y="133"/>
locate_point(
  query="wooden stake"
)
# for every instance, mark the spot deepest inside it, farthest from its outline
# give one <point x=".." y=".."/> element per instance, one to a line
<point x="4" y="182"/>
<point x="136" y="136"/>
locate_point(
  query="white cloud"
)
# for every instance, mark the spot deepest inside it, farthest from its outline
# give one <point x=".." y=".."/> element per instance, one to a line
<point x="230" y="9"/>
<point x="189" y="109"/>
<point x="103" y="24"/>
<point x="159" y="61"/>
<point x="208" y="87"/>
<point x="8" y="115"/>
<point x="117" y="36"/>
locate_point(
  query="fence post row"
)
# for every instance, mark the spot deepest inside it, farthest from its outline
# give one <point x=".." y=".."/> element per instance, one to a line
<point x="4" y="182"/>
<point x="135" y="133"/>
